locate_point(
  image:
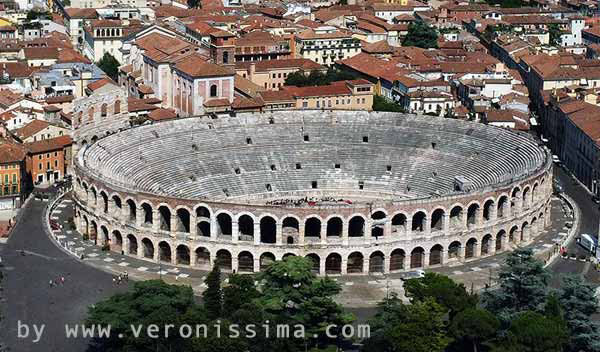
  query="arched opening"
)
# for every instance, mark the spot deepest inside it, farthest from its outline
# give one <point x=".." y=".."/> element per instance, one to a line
<point x="397" y="260"/>
<point x="435" y="255"/>
<point x="183" y="255"/>
<point x="148" y="248"/>
<point x="486" y="244"/>
<point x="165" y="218"/>
<point x="117" y="242"/>
<point x="356" y="227"/>
<point x="104" y="202"/>
<point x="534" y="193"/>
<point x="266" y="259"/>
<point x="91" y="114"/>
<point x="514" y="197"/>
<point x="316" y="262"/>
<point x="268" y="230"/>
<point x="147" y="210"/>
<point x="471" y="247"/>
<point x="355" y="263"/>
<point x="133" y="245"/>
<point x="376" y="262"/>
<point x="213" y="91"/>
<point x="118" y="207"/>
<point x="456" y="217"/>
<point x="290" y="228"/>
<point x="94" y="197"/>
<point x="312" y="229"/>
<point x="526" y="198"/>
<point x="502" y="209"/>
<point x="86" y="227"/>
<point x="454" y="250"/>
<point x="224" y="224"/>
<point x="289" y="240"/>
<point x="418" y="222"/>
<point x="488" y="207"/>
<point x="183" y="220"/>
<point x="103" y="110"/>
<point x="202" y="213"/>
<point x="164" y="252"/>
<point x="524" y="231"/>
<point x="245" y="262"/>
<point x="287" y="255"/>
<point x="131" y="210"/>
<point x="334" y="227"/>
<point x="104" y="239"/>
<point x="472" y="215"/>
<point x="437" y="220"/>
<point x="333" y="264"/>
<point x="117" y="107"/>
<point x="417" y="257"/>
<point x="224" y="259"/>
<point x="500" y="240"/>
<point x="246" y="228"/>
<point x="202" y="257"/>
<point x="399" y="223"/>
<point x="513" y="234"/>
<point x="203" y="228"/>
<point x="93" y="231"/>
<point x="226" y="57"/>
<point x="378" y="224"/>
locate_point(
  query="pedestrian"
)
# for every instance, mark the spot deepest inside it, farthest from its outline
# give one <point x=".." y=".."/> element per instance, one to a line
<point x="51" y="283"/>
<point x="62" y="280"/>
<point x="126" y="276"/>
<point x="114" y="280"/>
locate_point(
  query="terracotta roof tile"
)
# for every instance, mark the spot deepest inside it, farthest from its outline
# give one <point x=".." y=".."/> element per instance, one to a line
<point x="31" y="128"/>
<point x="196" y="66"/>
<point x="11" y="152"/>
<point x="47" y="145"/>
<point x="162" y="114"/>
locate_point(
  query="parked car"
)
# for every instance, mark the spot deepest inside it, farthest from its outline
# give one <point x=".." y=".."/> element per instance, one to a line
<point x="416" y="274"/>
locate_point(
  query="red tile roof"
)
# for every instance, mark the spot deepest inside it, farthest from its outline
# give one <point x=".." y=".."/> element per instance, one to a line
<point x="162" y="114"/>
<point x="30" y="129"/>
<point x="11" y="152"/>
<point x="195" y="65"/>
<point x="47" y="145"/>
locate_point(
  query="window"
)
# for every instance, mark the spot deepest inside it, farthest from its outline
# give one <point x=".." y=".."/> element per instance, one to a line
<point x="365" y="139"/>
<point x="337" y="166"/>
<point x="48" y="165"/>
<point x="56" y="163"/>
<point x="55" y="153"/>
<point x="313" y="184"/>
<point x="389" y="168"/>
<point x="268" y="186"/>
<point x="298" y="166"/>
<point x="238" y="171"/>
<point x="273" y="167"/>
<point x="248" y="140"/>
<point x="225" y="57"/>
<point x="213" y="90"/>
<point x="361" y="184"/>
<point x="47" y="155"/>
<point x="279" y="75"/>
<point x="40" y="157"/>
<point x="40" y="166"/>
<point x="433" y="144"/>
<point x="318" y="104"/>
<point x="304" y="104"/>
<point x="306" y="138"/>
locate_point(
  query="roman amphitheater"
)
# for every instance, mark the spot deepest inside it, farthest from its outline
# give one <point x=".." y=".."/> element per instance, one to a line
<point x="356" y="192"/>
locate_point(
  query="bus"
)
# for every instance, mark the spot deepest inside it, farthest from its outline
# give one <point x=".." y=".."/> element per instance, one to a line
<point x="588" y="242"/>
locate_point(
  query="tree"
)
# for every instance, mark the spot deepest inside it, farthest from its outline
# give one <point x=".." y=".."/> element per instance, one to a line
<point x="240" y="291"/>
<point x="578" y="304"/>
<point x="523" y="283"/>
<point x="38" y="14"/>
<point x="382" y="104"/>
<point x="419" y="327"/>
<point x="109" y="65"/>
<point x="554" y="33"/>
<point x="421" y="35"/>
<point x="474" y="327"/>
<point x="454" y="297"/>
<point x="292" y="294"/>
<point x="150" y="302"/>
<point x="533" y="332"/>
<point x="213" y="296"/>
<point x="318" y="78"/>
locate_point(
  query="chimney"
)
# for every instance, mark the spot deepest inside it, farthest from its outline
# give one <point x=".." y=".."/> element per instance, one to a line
<point x="252" y="71"/>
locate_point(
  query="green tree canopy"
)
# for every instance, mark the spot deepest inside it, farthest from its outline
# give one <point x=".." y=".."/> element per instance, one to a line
<point x="318" y="78"/>
<point x="473" y="328"/>
<point x="579" y="303"/>
<point x="382" y="104"/>
<point x="421" y="35"/>
<point x="533" y="332"/>
<point x="213" y="295"/>
<point x="110" y="66"/>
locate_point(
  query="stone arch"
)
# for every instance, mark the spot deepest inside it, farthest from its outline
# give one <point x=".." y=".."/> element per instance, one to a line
<point x="133" y="245"/>
<point x="378" y="219"/>
<point x="131" y="210"/>
<point x="333" y="264"/>
<point x="355" y="263"/>
<point x="147" y="213"/>
<point x="472" y="211"/>
<point x="291" y="229"/>
<point x="116" y="243"/>
<point x="418" y="221"/>
<point x="148" y="247"/>
<point x="417" y="258"/>
<point x="399" y="223"/>
<point x="437" y="220"/>
<point x="224" y="259"/>
<point x="105" y="237"/>
<point x="118" y="205"/>
<point x="457" y="216"/>
<point x="203" y="228"/>
<point x="502" y="208"/>
<point x="246" y="227"/>
<point x="183" y="220"/>
<point x="164" y="252"/>
<point x="377" y="262"/>
<point x="436" y="255"/>
<point x="486" y="244"/>
<point x="224" y="224"/>
<point x="117" y="107"/>
<point x="500" y="236"/>
<point x="397" y="259"/>
<point x="93" y="231"/>
<point x="356" y="226"/>
<point x="202" y="257"/>
<point x="103" y="110"/>
<point x="91" y="113"/>
<point x="316" y="262"/>
<point x="312" y="228"/>
<point x="266" y="259"/>
<point x="202" y="212"/>
<point x="94" y="196"/>
<point x="287" y="255"/>
<point x="488" y="210"/>
<point x="268" y="229"/>
<point x="454" y="250"/>
<point x="164" y="213"/>
<point x="471" y="248"/>
<point x="526" y="197"/>
<point x="245" y="262"/>
<point x="515" y="196"/>
<point x="513" y="234"/>
<point x="183" y="255"/>
<point x="534" y="192"/>
<point x="104" y="197"/>
<point x="335" y="226"/>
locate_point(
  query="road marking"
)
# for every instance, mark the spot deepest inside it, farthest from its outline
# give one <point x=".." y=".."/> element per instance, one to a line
<point x="349" y="283"/>
<point x="457" y="272"/>
<point x="109" y="260"/>
<point x="124" y="264"/>
<point x="183" y="275"/>
<point x="475" y="268"/>
<point x="93" y="255"/>
<point x="142" y="268"/>
<point x="57" y="212"/>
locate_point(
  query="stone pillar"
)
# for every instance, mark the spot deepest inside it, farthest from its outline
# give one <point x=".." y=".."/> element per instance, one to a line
<point x="526" y="233"/>
<point x="279" y="233"/>
<point x="462" y="250"/>
<point x="367" y="231"/>
<point x="213" y="229"/>
<point x="156" y="256"/>
<point x="366" y="264"/>
<point x="345" y="232"/>
<point x="517" y="236"/>
<point x="139" y="218"/>
<point x="406" y="262"/>
<point x="173" y="255"/>
<point x="446" y="224"/>
<point x="321" y="266"/>
<point x="155" y="220"/>
<point x="194" y="225"/>
<point x="492" y="247"/>
<point x="301" y="233"/>
<point x="344" y="265"/>
<point x="140" y="250"/>
<point x="235" y="232"/>
<point x="547" y="217"/>
<point x="256" y="233"/>
<point x="504" y="242"/>
<point x="125" y="244"/>
<point x="256" y="265"/>
<point x="193" y="257"/>
<point x="386" y="264"/>
<point x="444" y="256"/>
<point x="476" y="250"/>
<point x="323" y="232"/>
<point x="427" y="226"/>
<point x="387" y="228"/>
<point x="506" y="209"/>
<point x="173" y="231"/>
<point x="426" y="259"/>
<point x="479" y="217"/>
<point x="494" y="213"/>
<point x="408" y="227"/>
<point x="234" y="263"/>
